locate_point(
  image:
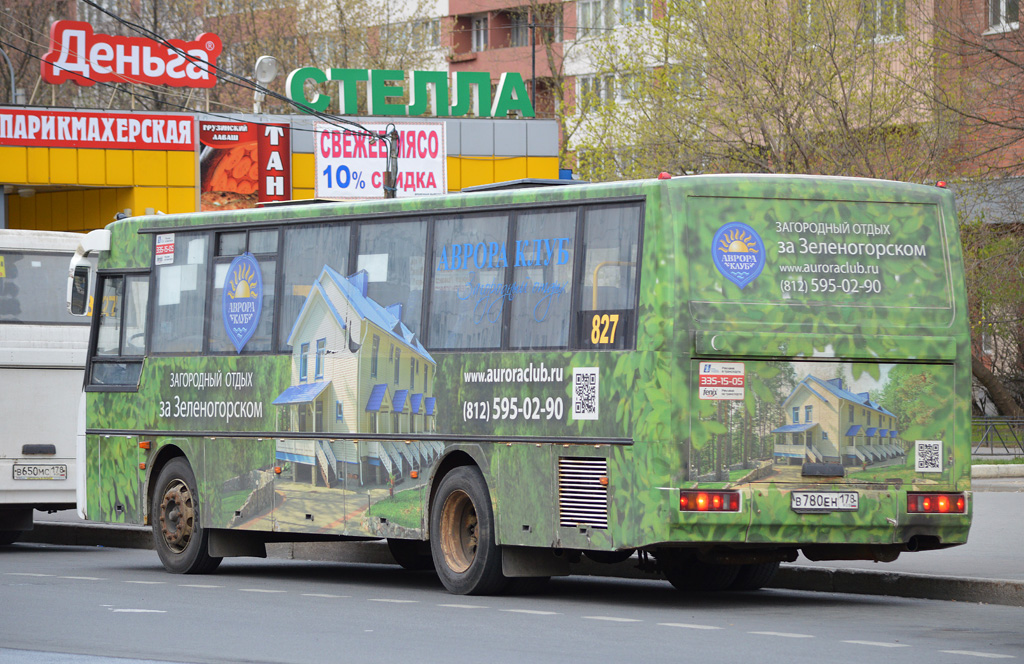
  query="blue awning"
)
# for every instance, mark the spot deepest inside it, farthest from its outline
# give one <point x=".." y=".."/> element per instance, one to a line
<point x="795" y="428"/>
<point x="398" y="401"/>
<point x="430" y="405"/>
<point x="376" y="398"/>
<point x="871" y="431"/>
<point x="894" y="434"/>
<point x="853" y="431"/>
<point x="301" y="393"/>
<point x="884" y="433"/>
<point x="415" y="402"/>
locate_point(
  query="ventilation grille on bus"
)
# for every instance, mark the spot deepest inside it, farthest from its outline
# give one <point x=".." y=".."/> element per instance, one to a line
<point x="583" y="492"/>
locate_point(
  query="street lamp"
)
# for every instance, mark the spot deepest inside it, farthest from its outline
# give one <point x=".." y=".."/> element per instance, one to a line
<point x="267" y="69"/>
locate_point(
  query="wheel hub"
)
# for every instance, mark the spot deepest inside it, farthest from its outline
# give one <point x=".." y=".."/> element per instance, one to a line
<point x="177" y="516"/>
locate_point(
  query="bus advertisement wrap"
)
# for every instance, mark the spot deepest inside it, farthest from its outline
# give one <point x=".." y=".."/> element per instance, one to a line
<point x="669" y="366"/>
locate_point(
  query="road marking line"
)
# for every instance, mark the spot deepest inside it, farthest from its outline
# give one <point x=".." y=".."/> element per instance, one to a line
<point x="880" y="644"/>
<point x="531" y="612"/>
<point x="463" y="606"/>
<point x="788" y="635"/>
<point x="26" y="574"/>
<point x="82" y="578"/>
<point x="396" y="601"/>
<point x="323" y="595"/>
<point x="137" y="611"/>
<point x="612" y="619"/>
<point x="197" y="585"/>
<point x="972" y="653"/>
<point x="689" y="626"/>
<point x="148" y="583"/>
<point x="260" y="590"/>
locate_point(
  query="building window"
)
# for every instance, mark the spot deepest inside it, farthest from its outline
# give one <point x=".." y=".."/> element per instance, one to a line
<point x="318" y="415"/>
<point x="633" y="11"/>
<point x="339" y="411"/>
<point x="398" y="363"/>
<point x="869" y="419"/>
<point x="851" y="414"/>
<point x="303" y="362"/>
<point x="427" y="33"/>
<point x="591" y="17"/>
<point x="808" y="410"/>
<point x="480" y="33"/>
<point x="321" y="351"/>
<point x="518" y="29"/>
<point x="373" y="356"/>
<point x="412" y="374"/>
<point x="1003" y="14"/>
<point x="596" y="89"/>
<point x="886" y="18"/>
<point x="796" y="414"/>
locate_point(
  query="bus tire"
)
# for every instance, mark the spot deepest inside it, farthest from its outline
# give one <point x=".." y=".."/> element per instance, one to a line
<point x="754" y="576"/>
<point x="179" y="539"/>
<point x="412" y="555"/>
<point x="466" y="558"/>
<point x="9" y="537"/>
<point x="696" y="576"/>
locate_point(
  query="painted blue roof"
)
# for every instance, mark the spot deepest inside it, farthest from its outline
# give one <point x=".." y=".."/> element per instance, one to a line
<point x="430" y="405"/>
<point x="794" y="428"/>
<point x="417" y="399"/>
<point x="853" y="431"/>
<point x="305" y="393"/>
<point x="354" y="289"/>
<point x="398" y="401"/>
<point x="834" y="387"/>
<point x="376" y="398"/>
<point x="871" y="431"/>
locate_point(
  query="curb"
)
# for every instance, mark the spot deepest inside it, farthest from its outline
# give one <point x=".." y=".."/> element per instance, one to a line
<point x="789" y="577"/>
<point x="985" y="470"/>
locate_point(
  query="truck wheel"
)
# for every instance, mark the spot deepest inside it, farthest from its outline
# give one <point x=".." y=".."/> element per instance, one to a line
<point x="181" y="542"/>
<point x="466" y="557"/>
<point x="754" y="576"/>
<point x="411" y="554"/>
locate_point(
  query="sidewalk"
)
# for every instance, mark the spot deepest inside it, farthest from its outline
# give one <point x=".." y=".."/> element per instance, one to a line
<point x="989" y="568"/>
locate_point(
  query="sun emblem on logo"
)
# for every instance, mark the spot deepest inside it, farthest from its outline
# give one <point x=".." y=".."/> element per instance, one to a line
<point x="243" y="283"/>
<point x="737" y="241"/>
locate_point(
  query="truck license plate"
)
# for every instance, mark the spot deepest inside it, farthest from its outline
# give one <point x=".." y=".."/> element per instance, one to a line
<point x="57" y="471"/>
<point x="824" y="501"/>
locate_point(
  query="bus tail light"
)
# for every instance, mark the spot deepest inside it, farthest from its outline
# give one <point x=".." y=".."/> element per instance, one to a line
<point x="709" y="501"/>
<point x="936" y="503"/>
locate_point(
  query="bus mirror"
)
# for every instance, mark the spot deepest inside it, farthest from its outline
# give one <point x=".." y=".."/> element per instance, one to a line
<point x="79" y="287"/>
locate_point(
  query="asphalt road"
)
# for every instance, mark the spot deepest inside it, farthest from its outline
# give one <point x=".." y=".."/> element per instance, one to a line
<point x="77" y="604"/>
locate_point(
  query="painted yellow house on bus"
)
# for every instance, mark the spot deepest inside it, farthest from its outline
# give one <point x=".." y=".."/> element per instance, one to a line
<point x="827" y="423"/>
<point x="356" y="368"/>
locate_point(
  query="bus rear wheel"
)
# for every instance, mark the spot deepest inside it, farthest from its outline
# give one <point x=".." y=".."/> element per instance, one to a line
<point x="412" y="555"/>
<point x="180" y="540"/>
<point x="466" y="557"/>
<point x="754" y="576"/>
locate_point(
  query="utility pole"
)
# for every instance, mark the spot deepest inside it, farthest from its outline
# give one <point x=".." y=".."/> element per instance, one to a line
<point x="391" y="167"/>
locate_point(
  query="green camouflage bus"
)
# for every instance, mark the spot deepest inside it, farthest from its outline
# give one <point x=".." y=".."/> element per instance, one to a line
<point x="715" y="373"/>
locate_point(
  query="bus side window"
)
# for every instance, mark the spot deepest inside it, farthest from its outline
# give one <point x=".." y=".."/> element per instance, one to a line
<point x="393" y="256"/>
<point x="307" y="249"/>
<point x="180" y="309"/>
<point x="542" y="279"/>
<point x="467" y="303"/>
<point x="608" y="282"/>
<point x="121" y="338"/>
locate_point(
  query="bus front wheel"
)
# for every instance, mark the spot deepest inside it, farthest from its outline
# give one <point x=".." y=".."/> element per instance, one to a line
<point x="180" y="540"/>
<point x="466" y="557"/>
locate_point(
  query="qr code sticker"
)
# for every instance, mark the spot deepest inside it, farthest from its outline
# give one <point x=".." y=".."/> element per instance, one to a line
<point x="928" y="456"/>
<point x="584" y="393"/>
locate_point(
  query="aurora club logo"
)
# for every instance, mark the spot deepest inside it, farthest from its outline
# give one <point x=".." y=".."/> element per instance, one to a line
<point x="242" y="301"/>
<point x="738" y="252"/>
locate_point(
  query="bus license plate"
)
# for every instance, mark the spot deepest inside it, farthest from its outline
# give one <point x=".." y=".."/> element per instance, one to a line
<point x="824" y="501"/>
<point x="57" y="471"/>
